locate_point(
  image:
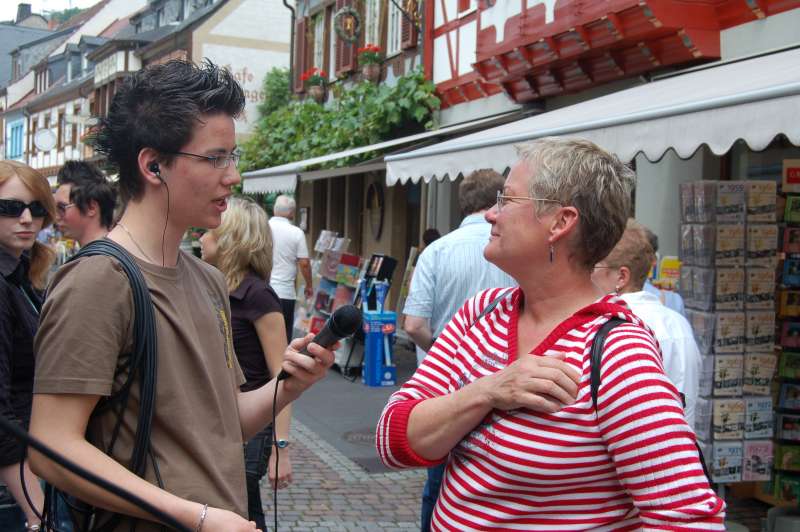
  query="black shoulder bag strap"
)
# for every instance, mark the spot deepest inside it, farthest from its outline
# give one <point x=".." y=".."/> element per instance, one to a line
<point x="491" y="306"/>
<point x="141" y="363"/>
<point x="596" y="361"/>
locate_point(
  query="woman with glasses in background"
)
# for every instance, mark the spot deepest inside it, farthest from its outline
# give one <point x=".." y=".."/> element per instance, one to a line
<point x="26" y="206"/>
<point x="241" y="248"/>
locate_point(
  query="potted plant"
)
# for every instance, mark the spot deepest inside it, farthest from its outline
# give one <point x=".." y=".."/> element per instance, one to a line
<point x="370" y="58"/>
<point x="314" y="80"/>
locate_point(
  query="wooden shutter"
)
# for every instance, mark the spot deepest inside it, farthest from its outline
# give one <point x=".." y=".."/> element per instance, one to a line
<point x="409" y="30"/>
<point x="345" y="51"/>
<point x="300" y="52"/>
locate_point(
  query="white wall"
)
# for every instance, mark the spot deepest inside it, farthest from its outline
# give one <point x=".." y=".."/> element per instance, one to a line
<point x="657" y="199"/>
<point x="776" y="31"/>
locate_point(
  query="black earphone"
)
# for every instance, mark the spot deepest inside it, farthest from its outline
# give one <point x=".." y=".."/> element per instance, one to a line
<point x="156" y="170"/>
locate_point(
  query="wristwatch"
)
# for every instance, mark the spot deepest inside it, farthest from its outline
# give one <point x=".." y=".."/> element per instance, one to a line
<point x="282" y="444"/>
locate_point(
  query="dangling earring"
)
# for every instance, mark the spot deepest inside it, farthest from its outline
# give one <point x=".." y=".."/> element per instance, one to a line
<point x="552" y="253"/>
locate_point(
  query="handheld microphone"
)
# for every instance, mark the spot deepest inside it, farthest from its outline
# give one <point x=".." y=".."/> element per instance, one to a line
<point x="343" y="323"/>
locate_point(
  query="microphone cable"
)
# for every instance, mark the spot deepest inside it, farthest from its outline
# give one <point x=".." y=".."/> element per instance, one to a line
<point x="277" y="455"/>
<point x="87" y="475"/>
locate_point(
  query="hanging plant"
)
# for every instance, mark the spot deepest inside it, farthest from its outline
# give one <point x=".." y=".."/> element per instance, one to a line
<point x="347" y="23"/>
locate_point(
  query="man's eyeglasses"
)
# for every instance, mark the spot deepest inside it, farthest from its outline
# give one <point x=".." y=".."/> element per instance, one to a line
<point x="11" y="208"/>
<point x="502" y="200"/>
<point x="62" y="207"/>
<point x="219" y="161"/>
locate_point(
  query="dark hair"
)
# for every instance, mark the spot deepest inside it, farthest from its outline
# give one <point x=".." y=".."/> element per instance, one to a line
<point x="430" y="235"/>
<point x="89" y="184"/>
<point x="157" y="107"/>
<point x="652" y="238"/>
<point x="478" y="191"/>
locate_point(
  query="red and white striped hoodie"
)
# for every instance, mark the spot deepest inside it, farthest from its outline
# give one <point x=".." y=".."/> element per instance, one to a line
<point x="632" y="465"/>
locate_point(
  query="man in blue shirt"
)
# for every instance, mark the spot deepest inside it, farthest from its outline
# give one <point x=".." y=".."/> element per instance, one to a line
<point x="449" y="271"/>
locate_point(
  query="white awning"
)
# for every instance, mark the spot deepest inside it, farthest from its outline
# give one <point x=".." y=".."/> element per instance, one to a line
<point x="276" y="183"/>
<point x="754" y="100"/>
<point x="284" y="177"/>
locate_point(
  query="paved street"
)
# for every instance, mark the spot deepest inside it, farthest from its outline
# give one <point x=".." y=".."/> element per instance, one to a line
<point x="331" y="492"/>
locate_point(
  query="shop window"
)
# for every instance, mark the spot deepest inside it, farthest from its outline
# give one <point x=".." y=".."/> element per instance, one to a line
<point x="372" y="22"/>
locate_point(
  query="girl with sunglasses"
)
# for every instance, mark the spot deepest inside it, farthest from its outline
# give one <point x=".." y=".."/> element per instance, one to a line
<point x="26" y="206"/>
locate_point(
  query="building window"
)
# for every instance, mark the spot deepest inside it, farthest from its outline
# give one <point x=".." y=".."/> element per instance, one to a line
<point x="394" y="38"/>
<point x="372" y="22"/>
<point x="331" y="46"/>
<point x="159" y="17"/>
<point x="319" y="41"/>
<point x="15" y="141"/>
<point x="62" y="127"/>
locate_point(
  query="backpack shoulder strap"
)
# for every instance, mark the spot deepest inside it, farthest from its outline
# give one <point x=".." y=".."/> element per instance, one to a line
<point x="597" y="355"/>
<point x="492" y="305"/>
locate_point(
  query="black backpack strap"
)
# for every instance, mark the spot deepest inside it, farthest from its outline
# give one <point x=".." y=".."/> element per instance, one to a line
<point x="597" y="356"/>
<point x="596" y="361"/>
<point x="142" y="364"/>
<point x="491" y="306"/>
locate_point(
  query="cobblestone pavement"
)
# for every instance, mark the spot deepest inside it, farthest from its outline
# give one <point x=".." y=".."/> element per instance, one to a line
<point x="330" y="492"/>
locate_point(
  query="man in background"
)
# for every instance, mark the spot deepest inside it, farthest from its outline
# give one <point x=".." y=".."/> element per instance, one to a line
<point x="668" y="298"/>
<point x="449" y="271"/>
<point x="289" y="252"/>
<point x="85" y="201"/>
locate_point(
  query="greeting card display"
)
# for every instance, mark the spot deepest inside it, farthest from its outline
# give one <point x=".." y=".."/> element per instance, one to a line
<point x="686" y="250"/>
<point x="759" y="289"/>
<point x="705" y="201"/>
<point x="788" y="427"/>
<point x="703" y="283"/>
<point x="688" y="209"/>
<point x="759" y="417"/>
<point x="729" y="289"/>
<point x="791" y="240"/>
<point x="789" y="365"/>
<point x="729" y="334"/>
<point x="787" y="457"/>
<point x="728" y="420"/>
<point x="761" y="201"/>
<point x="791" y="272"/>
<point x="792" y="211"/>
<point x="686" y="285"/>
<point x="728" y="374"/>
<point x="789" y="396"/>
<point x="791" y="175"/>
<point x="758" y="459"/>
<point x="762" y="245"/>
<point x="759" y="369"/>
<point x="789" y="303"/>
<point x="703" y="325"/>
<point x="726" y="465"/>
<point x="729" y="248"/>
<point x="731" y="203"/>
<point x="706" y="379"/>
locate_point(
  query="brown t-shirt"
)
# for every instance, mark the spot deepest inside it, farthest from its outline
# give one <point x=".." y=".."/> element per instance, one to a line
<point x="87" y="324"/>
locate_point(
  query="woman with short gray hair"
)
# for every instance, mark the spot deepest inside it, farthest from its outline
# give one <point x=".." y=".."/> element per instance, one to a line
<point x="505" y="395"/>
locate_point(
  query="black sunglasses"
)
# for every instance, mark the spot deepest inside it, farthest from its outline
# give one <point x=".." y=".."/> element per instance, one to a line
<point x="12" y="208"/>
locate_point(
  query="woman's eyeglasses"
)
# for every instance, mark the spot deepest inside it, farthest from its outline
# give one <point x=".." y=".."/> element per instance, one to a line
<point x="502" y="200"/>
<point x="11" y="208"/>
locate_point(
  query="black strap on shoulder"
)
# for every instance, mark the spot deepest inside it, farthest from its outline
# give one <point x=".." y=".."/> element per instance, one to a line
<point x="491" y="306"/>
<point x="597" y="355"/>
<point x="142" y="363"/>
<point x="596" y="361"/>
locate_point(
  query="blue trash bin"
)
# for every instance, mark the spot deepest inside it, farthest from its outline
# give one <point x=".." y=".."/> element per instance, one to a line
<point x="378" y="367"/>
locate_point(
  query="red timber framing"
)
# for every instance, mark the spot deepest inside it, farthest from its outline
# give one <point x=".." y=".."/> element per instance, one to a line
<point x="551" y="47"/>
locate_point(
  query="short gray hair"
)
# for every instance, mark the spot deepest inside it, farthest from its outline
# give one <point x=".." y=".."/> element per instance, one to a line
<point x="284" y="205"/>
<point x="579" y="173"/>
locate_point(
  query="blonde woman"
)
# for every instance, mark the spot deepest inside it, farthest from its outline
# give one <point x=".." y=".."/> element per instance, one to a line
<point x="241" y="247"/>
<point x="26" y="207"/>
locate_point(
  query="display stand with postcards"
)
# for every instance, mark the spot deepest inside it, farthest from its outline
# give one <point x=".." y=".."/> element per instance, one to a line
<point x="784" y="488"/>
<point x="729" y="252"/>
